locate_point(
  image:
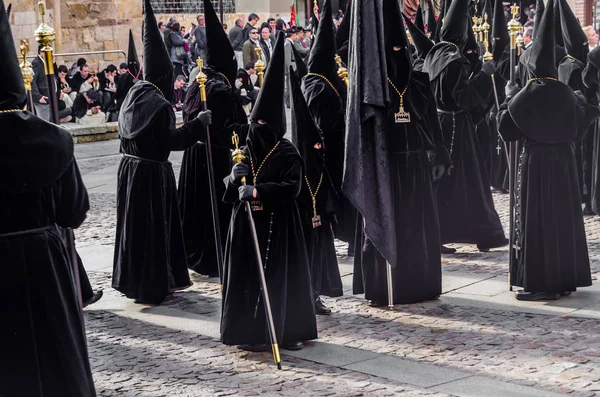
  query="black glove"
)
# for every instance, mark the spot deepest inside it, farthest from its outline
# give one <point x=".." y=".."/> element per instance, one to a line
<point x="246" y="192"/>
<point x="205" y="117"/>
<point x="438" y="171"/>
<point x="489" y="68"/>
<point x="238" y="171"/>
<point x="511" y="90"/>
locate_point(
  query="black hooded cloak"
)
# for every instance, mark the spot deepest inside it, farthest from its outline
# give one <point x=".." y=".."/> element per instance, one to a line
<point x="279" y="228"/>
<point x="132" y="76"/>
<point x="413" y="148"/>
<point x="228" y="116"/>
<point x="324" y="270"/>
<point x="150" y="260"/>
<point x="551" y="253"/>
<point x="570" y="71"/>
<point x="466" y="208"/>
<point x="325" y="94"/>
<point x="591" y="80"/>
<point x="41" y="192"/>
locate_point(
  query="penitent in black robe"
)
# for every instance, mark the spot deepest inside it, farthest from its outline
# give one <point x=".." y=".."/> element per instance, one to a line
<point x="552" y="254"/>
<point x="414" y="148"/>
<point x="194" y="193"/>
<point x="465" y="205"/>
<point x="281" y="241"/>
<point x="42" y="341"/>
<point x="570" y="72"/>
<point x="150" y="260"/>
<point x="592" y="94"/>
<point x="328" y="109"/>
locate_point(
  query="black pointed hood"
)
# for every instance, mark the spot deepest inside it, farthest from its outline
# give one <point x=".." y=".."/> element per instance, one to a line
<point x="301" y="69"/>
<point x="305" y="132"/>
<point x="541" y="61"/>
<point x="322" y="52"/>
<point x="431" y="22"/>
<point x="158" y="68"/>
<point x="499" y="37"/>
<point x="12" y="88"/>
<point x="422" y="43"/>
<point x="343" y="31"/>
<point x="456" y="23"/>
<point x="537" y="19"/>
<point x="269" y="104"/>
<point x="8" y="9"/>
<point x="419" y="23"/>
<point x="558" y="34"/>
<point x="219" y="53"/>
<point x="133" y="62"/>
<point x="576" y="42"/>
<point x="399" y="63"/>
<point x="435" y="36"/>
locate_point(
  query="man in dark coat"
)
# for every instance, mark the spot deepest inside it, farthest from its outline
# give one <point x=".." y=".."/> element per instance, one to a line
<point x="274" y="180"/>
<point x="466" y="208"/>
<point x="417" y="156"/>
<point x="316" y="201"/>
<point x="325" y="94"/>
<point x="150" y="261"/>
<point x="194" y="194"/>
<point x="550" y="255"/>
<point x="42" y="338"/>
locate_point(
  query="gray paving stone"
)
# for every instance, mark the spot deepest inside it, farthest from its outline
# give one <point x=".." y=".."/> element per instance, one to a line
<point x="477" y="386"/>
<point x="331" y="354"/>
<point x="407" y="371"/>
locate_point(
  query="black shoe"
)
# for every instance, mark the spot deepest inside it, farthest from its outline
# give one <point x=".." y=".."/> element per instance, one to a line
<point x="255" y="348"/>
<point x="448" y="250"/>
<point x="376" y="304"/>
<point x="293" y="346"/>
<point x="321" y="309"/>
<point x="565" y="293"/>
<point x="95" y="298"/>
<point x="537" y="296"/>
<point x="587" y="211"/>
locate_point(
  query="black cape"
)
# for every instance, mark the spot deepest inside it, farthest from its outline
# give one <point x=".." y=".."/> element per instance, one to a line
<point x="549" y="230"/>
<point x="282" y="246"/>
<point x="414" y="147"/>
<point x="466" y="208"/>
<point x="194" y="194"/>
<point x="42" y="340"/>
<point x="150" y="259"/>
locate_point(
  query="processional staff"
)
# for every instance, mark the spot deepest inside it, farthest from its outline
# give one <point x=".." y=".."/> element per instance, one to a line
<point x="239" y="156"/>
<point x="201" y="79"/>
<point x="259" y="66"/>
<point x="514" y="27"/>
<point x="27" y="72"/>
<point x="44" y="35"/>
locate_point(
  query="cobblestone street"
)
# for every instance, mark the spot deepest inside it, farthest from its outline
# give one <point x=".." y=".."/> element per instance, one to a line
<point x="475" y="340"/>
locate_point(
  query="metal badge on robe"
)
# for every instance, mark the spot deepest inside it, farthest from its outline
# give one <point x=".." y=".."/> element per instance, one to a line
<point x="402" y="116"/>
<point x="316" y="220"/>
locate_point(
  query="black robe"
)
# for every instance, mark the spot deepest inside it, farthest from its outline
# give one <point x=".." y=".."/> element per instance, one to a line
<point x="281" y="241"/>
<point x="41" y="339"/>
<point x="328" y="109"/>
<point x="150" y="259"/>
<point x="552" y="254"/>
<point x="414" y="148"/>
<point x="592" y="94"/>
<point x="465" y="205"/>
<point x="570" y="72"/>
<point x="320" y="246"/>
<point x="194" y="193"/>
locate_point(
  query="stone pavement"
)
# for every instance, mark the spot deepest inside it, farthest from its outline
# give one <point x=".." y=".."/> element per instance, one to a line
<point x="476" y="340"/>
